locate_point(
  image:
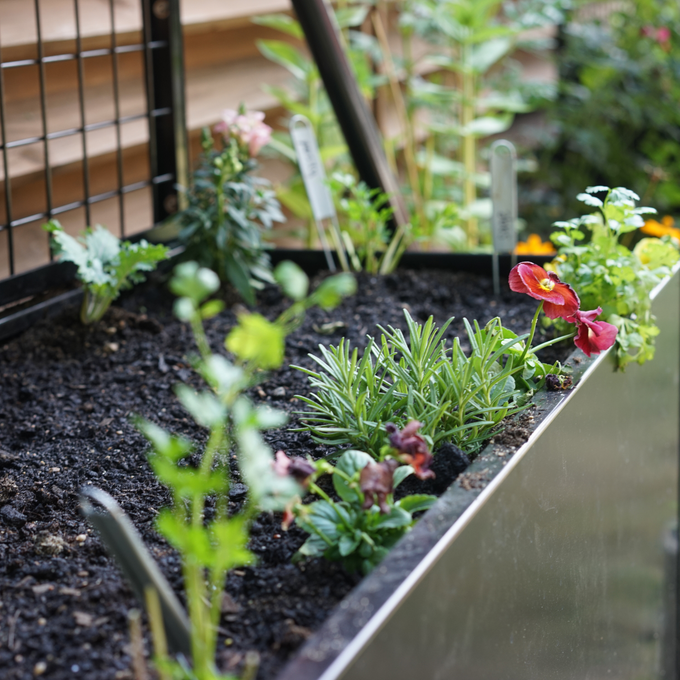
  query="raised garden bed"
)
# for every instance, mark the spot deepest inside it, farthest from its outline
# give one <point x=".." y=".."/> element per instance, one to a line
<point x="68" y="393"/>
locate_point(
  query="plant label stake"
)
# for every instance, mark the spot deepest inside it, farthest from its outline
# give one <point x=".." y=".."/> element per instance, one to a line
<point x="125" y="544"/>
<point x="314" y="178"/>
<point x="504" y="199"/>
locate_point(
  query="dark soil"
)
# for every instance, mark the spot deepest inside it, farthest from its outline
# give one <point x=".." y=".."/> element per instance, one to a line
<point x="67" y="396"/>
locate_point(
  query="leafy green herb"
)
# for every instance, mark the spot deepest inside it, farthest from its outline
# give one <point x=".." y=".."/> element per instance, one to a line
<point x="209" y="548"/>
<point x="456" y="397"/>
<point x="105" y="264"/>
<point x="606" y="273"/>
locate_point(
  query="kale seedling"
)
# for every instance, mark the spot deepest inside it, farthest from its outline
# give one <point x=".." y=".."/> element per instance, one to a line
<point x="105" y="264"/>
<point x="607" y="274"/>
<point x="210" y="547"/>
<point x="361" y="527"/>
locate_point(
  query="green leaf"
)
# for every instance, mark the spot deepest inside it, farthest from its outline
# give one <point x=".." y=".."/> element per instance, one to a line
<point x="101" y="245"/>
<point x="239" y="276"/>
<point x="350" y="463"/>
<point x="401" y="473"/>
<point x="269" y="418"/>
<point x="396" y="519"/>
<point x="590" y="200"/>
<point x="349" y="17"/>
<point x="280" y="22"/>
<point x="484" y="56"/>
<point x="349" y="543"/>
<point x="487" y="125"/>
<point x="204" y="407"/>
<point x="292" y="280"/>
<point x="231" y="538"/>
<point x="222" y="375"/>
<point x="257" y="340"/>
<point x="194" y="282"/>
<point x="211" y="308"/>
<point x="417" y="503"/>
<point x="164" y="444"/>
<point x="286" y="55"/>
<point x="331" y="291"/>
<point x="184" y="309"/>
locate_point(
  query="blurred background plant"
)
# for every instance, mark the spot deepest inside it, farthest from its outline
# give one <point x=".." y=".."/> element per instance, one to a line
<point x="616" y="120"/>
<point x="461" y="86"/>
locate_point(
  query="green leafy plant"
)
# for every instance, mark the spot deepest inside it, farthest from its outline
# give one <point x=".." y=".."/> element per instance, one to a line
<point x="210" y="547"/>
<point x="456" y="397"/>
<point x="606" y="273"/>
<point x="106" y="266"/>
<point x="357" y="530"/>
<point x="474" y="93"/>
<point x="364" y="221"/>
<point x="228" y="211"/>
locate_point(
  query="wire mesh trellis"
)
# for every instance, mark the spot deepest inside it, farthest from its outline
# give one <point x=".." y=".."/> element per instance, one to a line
<point x="91" y="116"/>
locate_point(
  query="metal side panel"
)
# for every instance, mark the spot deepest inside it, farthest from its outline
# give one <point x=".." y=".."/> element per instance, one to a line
<point x="556" y="569"/>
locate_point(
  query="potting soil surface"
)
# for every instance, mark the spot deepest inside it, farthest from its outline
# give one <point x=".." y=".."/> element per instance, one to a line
<point x="67" y="396"/>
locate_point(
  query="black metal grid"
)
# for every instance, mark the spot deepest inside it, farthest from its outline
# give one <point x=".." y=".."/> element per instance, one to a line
<point x="161" y="46"/>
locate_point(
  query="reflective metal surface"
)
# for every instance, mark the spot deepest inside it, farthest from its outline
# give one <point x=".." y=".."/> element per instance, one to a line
<point x="556" y="569"/>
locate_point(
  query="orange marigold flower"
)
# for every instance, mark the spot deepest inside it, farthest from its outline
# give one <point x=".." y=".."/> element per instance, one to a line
<point x="559" y="299"/>
<point x="534" y="246"/>
<point x="663" y="228"/>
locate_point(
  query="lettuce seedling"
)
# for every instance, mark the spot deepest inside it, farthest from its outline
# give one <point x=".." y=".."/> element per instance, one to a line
<point x="106" y="266"/>
<point x="209" y="548"/>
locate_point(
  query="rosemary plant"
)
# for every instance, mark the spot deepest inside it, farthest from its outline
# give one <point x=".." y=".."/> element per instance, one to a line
<point x="456" y="397"/>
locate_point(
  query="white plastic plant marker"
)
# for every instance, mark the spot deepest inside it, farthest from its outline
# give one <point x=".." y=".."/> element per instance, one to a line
<point x="504" y="199"/>
<point x="318" y="193"/>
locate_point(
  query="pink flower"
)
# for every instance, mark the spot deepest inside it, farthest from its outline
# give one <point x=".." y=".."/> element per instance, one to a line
<point x="249" y="129"/>
<point x="593" y="336"/>
<point x="412" y="448"/>
<point x="559" y="299"/>
<point x="663" y="35"/>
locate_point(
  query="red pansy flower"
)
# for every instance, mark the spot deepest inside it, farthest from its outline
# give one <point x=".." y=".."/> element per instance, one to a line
<point x="412" y="448"/>
<point x="593" y="336"/>
<point x="559" y="299"/>
<point x="300" y="469"/>
<point x="376" y="481"/>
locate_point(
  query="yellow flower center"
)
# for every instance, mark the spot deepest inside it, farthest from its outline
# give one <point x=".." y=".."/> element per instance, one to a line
<point x="547" y="284"/>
